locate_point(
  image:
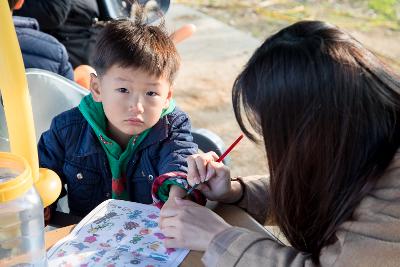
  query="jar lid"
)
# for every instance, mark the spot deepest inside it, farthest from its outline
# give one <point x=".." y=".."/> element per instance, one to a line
<point x="15" y="176"/>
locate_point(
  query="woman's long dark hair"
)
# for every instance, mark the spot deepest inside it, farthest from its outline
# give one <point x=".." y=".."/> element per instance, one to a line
<point x="329" y="114"/>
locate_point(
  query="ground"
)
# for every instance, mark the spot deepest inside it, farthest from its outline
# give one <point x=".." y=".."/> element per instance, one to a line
<point x="370" y="21"/>
<point x="204" y="90"/>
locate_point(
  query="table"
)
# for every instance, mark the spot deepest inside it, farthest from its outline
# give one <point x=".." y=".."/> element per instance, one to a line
<point x="232" y="214"/>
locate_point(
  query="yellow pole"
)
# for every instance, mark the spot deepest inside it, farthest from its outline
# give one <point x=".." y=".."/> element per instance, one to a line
<point x="14" y="89"/>
<point x="17" y="106"/>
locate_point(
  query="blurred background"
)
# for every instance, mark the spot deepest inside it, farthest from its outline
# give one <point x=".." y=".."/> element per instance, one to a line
<point x="228" y="32"/>
<point x="374" y="22"/>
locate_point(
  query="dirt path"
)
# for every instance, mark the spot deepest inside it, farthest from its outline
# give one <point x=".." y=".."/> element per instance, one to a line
<point x="211" y="60"/>
<point x="214" y="56"/>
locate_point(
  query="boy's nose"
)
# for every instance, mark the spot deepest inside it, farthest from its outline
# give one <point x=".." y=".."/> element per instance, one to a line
<point x="136" y="106"/>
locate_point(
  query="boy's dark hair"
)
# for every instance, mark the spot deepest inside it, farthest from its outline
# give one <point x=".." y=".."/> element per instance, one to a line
<point x="133" y="43"/>
<point x="329" y="114"/>
<point x="12" y="3"/>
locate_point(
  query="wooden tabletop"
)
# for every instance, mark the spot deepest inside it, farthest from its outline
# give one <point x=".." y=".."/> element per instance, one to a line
<point x="232" y="214"/>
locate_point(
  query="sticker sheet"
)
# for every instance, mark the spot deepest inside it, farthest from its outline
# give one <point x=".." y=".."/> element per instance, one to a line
<point x="116" y="233"/>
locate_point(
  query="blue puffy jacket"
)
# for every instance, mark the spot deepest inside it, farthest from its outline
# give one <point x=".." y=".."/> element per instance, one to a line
<point x="41" y="50"/>
<point x="71" y="149"/>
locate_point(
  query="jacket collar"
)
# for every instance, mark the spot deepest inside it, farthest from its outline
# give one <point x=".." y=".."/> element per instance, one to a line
<point x="157" y="133"/>
<point x="23" y="22"/>
<point x="88" y="143"/>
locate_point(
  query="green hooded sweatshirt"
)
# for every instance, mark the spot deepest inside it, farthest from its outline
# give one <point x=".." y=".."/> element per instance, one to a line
<point x="93" y="112"/>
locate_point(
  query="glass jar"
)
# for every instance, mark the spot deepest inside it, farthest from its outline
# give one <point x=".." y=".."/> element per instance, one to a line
<point x="21" y="215"/>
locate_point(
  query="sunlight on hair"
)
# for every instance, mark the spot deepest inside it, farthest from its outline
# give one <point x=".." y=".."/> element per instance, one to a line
<point x="149" y="12"/>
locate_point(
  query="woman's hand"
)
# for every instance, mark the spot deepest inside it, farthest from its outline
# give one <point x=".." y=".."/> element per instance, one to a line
<point x="189" y="225"/>
<point x="214" y="177"/>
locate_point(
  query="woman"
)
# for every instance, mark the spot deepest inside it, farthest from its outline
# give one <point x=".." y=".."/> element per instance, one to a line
<point x="328" y="112"/>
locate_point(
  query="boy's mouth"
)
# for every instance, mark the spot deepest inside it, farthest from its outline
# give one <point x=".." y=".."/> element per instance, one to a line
<point x="134" y="121"/>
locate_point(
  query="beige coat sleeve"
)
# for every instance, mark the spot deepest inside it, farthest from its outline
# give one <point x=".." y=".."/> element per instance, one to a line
<point x="371" y="238"/>
<point x="255" y="200"/>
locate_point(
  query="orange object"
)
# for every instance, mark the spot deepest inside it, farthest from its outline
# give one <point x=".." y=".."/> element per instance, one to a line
<point x="82" y="75"/>
<point x="183" y="33"/>
<point x="18" y="5"/>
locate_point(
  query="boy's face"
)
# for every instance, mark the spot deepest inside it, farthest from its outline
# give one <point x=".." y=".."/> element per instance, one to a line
<point x="132" y="99"/>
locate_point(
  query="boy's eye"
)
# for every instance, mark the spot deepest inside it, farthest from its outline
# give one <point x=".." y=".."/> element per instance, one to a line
<point x="151" y="93"/>
<point x="122" y="90"/>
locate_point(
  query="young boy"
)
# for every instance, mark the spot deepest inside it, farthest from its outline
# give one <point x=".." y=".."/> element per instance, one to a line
<point x="126" y="140"/>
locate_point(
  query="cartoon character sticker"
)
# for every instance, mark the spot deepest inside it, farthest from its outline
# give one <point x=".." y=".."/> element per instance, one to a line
<point x="158" y="257"/>
<point x="144" y="231"/>
<point x="159" y="236"/>
<point x="90" y="239"/>
<point x="106" y="217"/>
<point x="79" y="245"/>
<point x="152" y="216"/>
<point x="149" y="223"/>
<point x="155" y="245"/>
<point x="131" y="225"/>
<point x="120" y="235"/>
<point x="135" y="214"/>
<point x="136" y="238"/>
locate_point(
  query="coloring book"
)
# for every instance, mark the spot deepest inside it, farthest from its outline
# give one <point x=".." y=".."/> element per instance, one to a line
<point x="116" y="233"/>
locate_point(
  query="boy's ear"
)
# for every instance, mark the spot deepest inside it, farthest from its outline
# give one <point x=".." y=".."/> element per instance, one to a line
<point x="95" y="87"/>
<point x="169" y="97"/>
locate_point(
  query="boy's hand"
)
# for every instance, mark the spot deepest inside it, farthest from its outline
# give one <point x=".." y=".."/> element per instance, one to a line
<point x="214" y="177"/>
<point x="175" y="191"/>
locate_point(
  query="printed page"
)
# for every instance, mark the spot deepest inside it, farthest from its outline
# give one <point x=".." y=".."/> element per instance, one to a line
<point x="116" y="233"/>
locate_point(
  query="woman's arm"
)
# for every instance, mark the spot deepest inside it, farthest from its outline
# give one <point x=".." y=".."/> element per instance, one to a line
<point x="370" y="238"/>
<point x="240" y="247"/>
<point x="369" y="241"/>
<point x="256" y="197"/>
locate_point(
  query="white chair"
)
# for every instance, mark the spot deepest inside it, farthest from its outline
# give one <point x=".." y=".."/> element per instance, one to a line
<point x="50" y="94"/>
